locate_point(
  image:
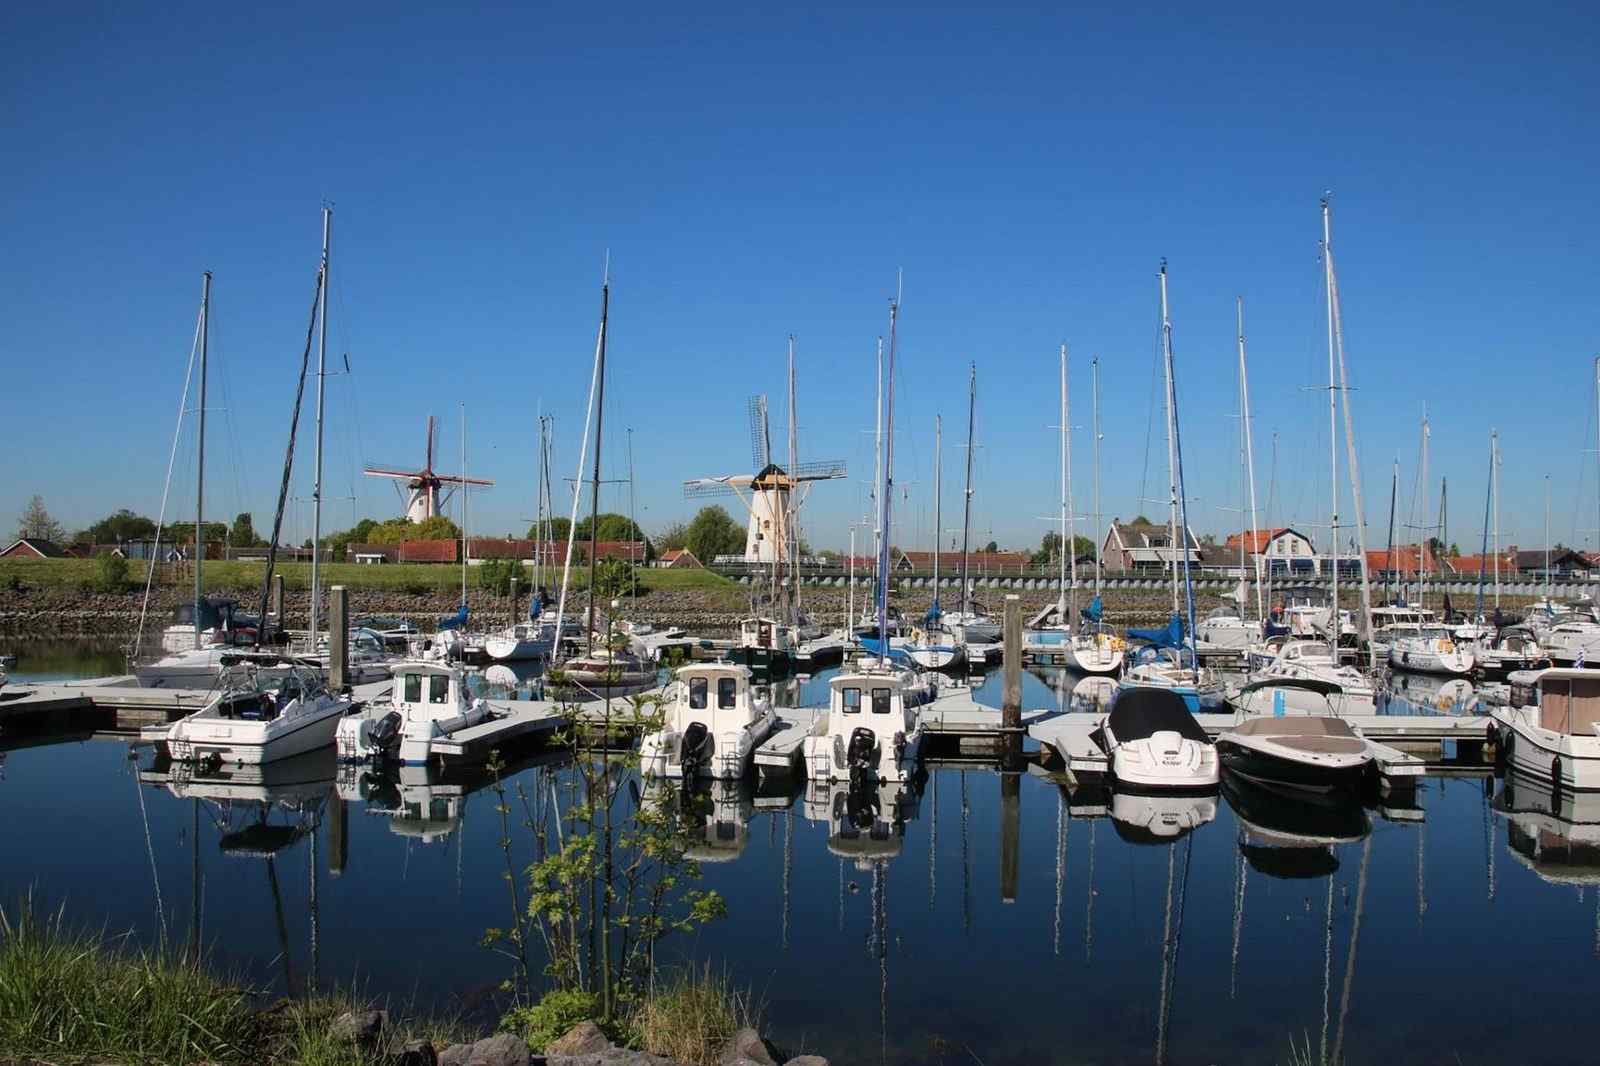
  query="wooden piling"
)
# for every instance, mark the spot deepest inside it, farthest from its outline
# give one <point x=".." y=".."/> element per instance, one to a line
<point x="1010" y="834"/>
<point x="1011" y="686"/>
<point x="338" y="833"/>
<point x="338" y="638"/>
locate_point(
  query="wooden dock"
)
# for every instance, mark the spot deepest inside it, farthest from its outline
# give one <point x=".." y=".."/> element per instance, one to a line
<point x="781" y="752"/>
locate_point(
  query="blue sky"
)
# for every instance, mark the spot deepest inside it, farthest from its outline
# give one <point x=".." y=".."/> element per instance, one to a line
<point x="757" y="173"/>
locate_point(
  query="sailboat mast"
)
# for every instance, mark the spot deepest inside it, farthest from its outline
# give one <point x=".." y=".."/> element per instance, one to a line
<point x="938" y="517"/>
<point x="322" y="371"/>
<point x="1597" y="432"/>
<point x="888" y="498"/>
<point x="1249" y="463"/>
<point x="1494" y="485"/>
<point x="1547" y="538"/>
<point x="1333" y="434"/>
<point x="636" y="534"/>
<point x="1069" y="538"/>
<point x="1483" y="552"/>
<point x="599" y="422"/>
<point x="1180" y="494"/>
<point x="966" y="514"/>
<point x="1172" y="455"/>
<point x="877" y="458"/>
<point x="200" y="457"/>
<point x="464" y="517"/>
<point x="1423" y="526"/>
<point x="1096" y="367"/>
<point x="1388" y="556"/>
<point x="1061" y="600"/>
<point x="792" y="517"/>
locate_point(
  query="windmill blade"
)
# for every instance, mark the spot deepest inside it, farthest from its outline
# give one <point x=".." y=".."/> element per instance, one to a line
<point x="457" y="479"/>
<point x="760" y="442"/>
<point x="701" y="487"/>
<point x="378" y="471"/>
<point x="819" y="470"/>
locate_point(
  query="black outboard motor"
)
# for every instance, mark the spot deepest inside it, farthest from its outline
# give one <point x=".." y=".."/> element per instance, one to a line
<point x="385" y="733"/>
<point x="695" y="749"/>
<point x="861" y="755"/>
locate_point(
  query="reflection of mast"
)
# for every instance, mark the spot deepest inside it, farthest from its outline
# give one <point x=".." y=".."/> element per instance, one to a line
<point x="1171" y="936"/>
<point x="283" y="929"/>
<point x="1422" y="898"/>
<point x="149" y="847"/>
<point x="1241" y="875"/>
<point x="880" y="940"/>
<point x="194" y="880"/>
<point x="316" y="938"/>
<point x="966" y="868"/>
<point x="1061" y="860"/>
<point x="1088" y="911"/>
<point x="1350" y="956"/>
<point x="933" y="826"/>
<point x="1488" y="832"/>
<point x="841" y="894"/>
<point x="788" y="868"/>
<point x="1327" y="964"/>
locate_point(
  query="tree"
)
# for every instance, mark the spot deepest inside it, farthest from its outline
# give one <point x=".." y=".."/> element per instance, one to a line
<point x="713" y="532"/>
<point x="436" y="528"/>
<point x="121" y="525"/>
<point x="243" y="533"/>
<point x="611" y="526"/>
<point x="555" y="529"/>
<point x="37" y="524"/>
<point x="672" y="538"/>
<point x="992" y="546"/>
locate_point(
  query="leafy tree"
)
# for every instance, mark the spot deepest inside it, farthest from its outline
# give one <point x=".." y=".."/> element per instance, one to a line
<point x="243" y="534"/>
<point x="612" y="527"/>
<point x="713" y="532"/>
<point x="1049" y="546"/>
<point x="110" y="573"/>
<point x="672" y="538"/>
<point x="436" y="528"/>
<point x="992" y="546"/>
<point x="613" y="577"/>
<point x="119" y="526"/>
<point x="554" y="529"/>
<point x="1142" y="520"/>
<point x="36" y="523"/>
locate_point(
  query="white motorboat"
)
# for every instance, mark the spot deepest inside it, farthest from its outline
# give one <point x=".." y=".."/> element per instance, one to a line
<point x="195" y="668"/>
<point x="1503" y="650"/>
<point x="267" y="709"/>
<point x="396" y="633"/>
<point x="1432" y="651"/>
<point x="1155" y="743"/>
<point x="604" y="672"/>
<point x="1309" y="660"/>
<point x="1551" y="730"/>
<point x="429" y="701"/>
<point x="764" y="644"/>
<point x="1224" y="628"/>
<point x="713" y="722"/>
<point x="866" y="822"/>
<point x="871" y="730"/>
<point x="367" y="657"/>
<point x="1574" y="640"/>
<point x="1309" y="752"/>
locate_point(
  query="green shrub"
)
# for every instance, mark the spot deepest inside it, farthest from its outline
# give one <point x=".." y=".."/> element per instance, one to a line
<point x="690" y="1016"/>
<point x="552" y="1018"/>
<point x="110" y="573"/>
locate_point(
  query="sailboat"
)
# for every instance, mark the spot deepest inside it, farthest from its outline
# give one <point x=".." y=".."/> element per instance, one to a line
<point x="931" y="644"/>
<point x="1168" y="660"/>
<point x="970" y="622"/>
<point x="1087" y="646"/>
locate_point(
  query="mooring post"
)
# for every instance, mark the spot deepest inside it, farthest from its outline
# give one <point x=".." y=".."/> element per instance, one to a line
<point x="1011" y="687"/>
<point x="277" y="599"/>
<point x="1010" y="834"/>
<point x="338" y="833"/>
<point x="338" y="638"/>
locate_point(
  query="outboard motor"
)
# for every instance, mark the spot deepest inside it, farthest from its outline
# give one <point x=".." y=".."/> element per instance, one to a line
<point x="384" y="736"/>
<point x="695" y="749"/>
<point x="861" y="755"/>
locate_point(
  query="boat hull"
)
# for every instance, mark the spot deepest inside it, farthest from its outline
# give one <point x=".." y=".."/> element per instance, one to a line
<point x="193" y="740"/>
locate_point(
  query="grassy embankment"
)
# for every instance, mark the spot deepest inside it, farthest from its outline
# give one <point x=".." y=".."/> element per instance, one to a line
<point x="68" y="996"/>
<point x="414" y="578"/>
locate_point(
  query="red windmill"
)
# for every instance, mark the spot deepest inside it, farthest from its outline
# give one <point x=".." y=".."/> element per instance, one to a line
<point x="423" y="486"/>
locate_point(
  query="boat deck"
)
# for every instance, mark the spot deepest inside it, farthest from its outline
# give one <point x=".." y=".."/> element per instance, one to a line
<point x="780" y="753"/>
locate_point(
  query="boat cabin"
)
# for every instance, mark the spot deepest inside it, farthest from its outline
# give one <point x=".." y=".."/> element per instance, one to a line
<point x="1568" y="699"/>
<point x="430" y="691"/>
<point x="717" y="695"/>
<point x="764" y="633"/>
<point x="869" y="697"/>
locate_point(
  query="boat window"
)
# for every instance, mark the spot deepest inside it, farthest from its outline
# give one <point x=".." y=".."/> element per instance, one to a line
<point x="727" y="689"/>
<point x="413" y="693"/>
<point x="880" y="701"/>
<point x="438" y="689"/>
<point x="697" y="693"/>
<point x="852" y="700"/>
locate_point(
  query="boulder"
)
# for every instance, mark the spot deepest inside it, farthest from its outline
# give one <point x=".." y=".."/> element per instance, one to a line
<point x="359" y="1027"/>
<point x="747" y="1049"/>
<point x="502" y="1049"/>
<point x="585" y="1038"/>
<point x="416" y="1053"/>
<point x="455" y="1055"/>
<point x="807" y="1060"/>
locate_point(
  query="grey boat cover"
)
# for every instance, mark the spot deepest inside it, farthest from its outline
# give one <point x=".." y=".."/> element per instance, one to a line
<point x="1141" y="712"/>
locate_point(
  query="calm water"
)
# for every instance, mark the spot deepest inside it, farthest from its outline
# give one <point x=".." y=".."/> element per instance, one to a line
<point x="1427" y="934"/>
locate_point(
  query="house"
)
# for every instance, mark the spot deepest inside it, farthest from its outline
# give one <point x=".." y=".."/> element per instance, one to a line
<point x="32" y="548"/>
<point x="678" y="559"/>
<point x="1560" y="562"/>
<point x="429" y="551"/>
<point x="1144" y="547"/>
<point x="1282" y="551"/>
<point x="1484" y="565"/>
<point x="997" y="562"/>
<point x="1402" y="562"/>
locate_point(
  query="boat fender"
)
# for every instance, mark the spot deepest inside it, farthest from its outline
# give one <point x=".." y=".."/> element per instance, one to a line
<point x="899" y="747"/>
<point x="1555" y="772"/>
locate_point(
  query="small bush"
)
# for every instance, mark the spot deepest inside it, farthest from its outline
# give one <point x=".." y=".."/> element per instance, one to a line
<point x="691" y="1015"/>
<point x="110" y="573"/>
<point x="552" y="1017"/>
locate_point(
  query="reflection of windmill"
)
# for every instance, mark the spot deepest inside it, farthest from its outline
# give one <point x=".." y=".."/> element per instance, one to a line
<point x="424" y="499"/>
<point x="772" y="495"/>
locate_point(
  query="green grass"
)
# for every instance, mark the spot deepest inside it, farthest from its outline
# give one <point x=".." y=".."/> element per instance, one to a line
<point x="414" y="578"/>
<point x="691" y="1014"/>
<point x="68" y="996"/>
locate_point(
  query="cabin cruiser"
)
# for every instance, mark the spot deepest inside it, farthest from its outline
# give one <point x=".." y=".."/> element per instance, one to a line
<point x="1551" y="729"/>
<point x="1432" y="650"/>
<point x="764" y="644"/>
<point x="1153" y="742"/>
<point x="1310" y="660"/>
<point x="714" y="721"/>
<point x="429" y="701"/>
<point x="871" y="730"/>
<point x="1152" y="669"/>
<point x="1308" y="752"/>
<point x="267" y="709"/>
<point x="1572" y="640"/>
<point x="1504" y="649"/>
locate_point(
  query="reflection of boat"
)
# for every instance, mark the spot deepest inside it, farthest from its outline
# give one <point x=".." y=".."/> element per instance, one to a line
<point x="871" y="729"/>
<point x="1551" y="729"/>
<point x="1149" y="818"/>
<point x="429" y="701"/>
<point x="605" y="673"/>
<point x="292" y="782"/>
<point x="268" y="709"/>
<point x="714" y="720"/>
<point x="1554" y="834"/>
<point x="1432" y="694"/>
<point x="715" y="814"/>
<point x="865" y="822"/>
<point x="1153" y="742"/>
<point x="1284" y="818"/>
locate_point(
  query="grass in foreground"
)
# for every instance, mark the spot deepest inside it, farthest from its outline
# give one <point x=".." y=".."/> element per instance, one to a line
<point x="691" y="1015"/>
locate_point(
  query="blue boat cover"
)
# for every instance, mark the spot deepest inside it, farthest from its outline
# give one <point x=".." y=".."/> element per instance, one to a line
<point x="456" y="621"/>
<point x="1094" y="612"/>
<point x="1170" y="637"/>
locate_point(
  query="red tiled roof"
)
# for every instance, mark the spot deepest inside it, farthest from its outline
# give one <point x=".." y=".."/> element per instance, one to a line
<point x="1256" y="540"/>
<point x="1402" y="560"/>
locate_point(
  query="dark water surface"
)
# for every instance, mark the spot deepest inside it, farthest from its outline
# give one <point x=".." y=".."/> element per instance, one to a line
<point x="1448" y="931"/>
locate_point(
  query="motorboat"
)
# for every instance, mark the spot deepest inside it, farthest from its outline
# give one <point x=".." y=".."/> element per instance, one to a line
<point x="194" y="668"/>
<point x="1572" y="641"/>
<point x="1502" y="650"/>
<point x="1309" y="660"/>
<point x="429" y="701"/>
<point x="1295" y="695"/>
<point x="1224" y="628"/>
<point x="220" y="622"/>
<point x="604" y="672"/>
<point x="266" y="709"/>
<point x="713" y="722"/>
<point x="1150" y="818"/>
<point x="1551" y="730"/>
<point x="396" y="633"/>
<point x="1154" y="742"/>
<point x="367" y="657"/>
<point x="1432" y="650"/>
<point x="764" y="644"/>
<point x="1309" y="752"/>
<point x="871" y="730"/>
<point x="1553" y="832"/>
<point x="657" y="644"/>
